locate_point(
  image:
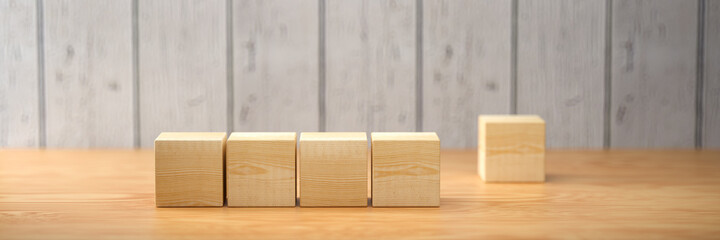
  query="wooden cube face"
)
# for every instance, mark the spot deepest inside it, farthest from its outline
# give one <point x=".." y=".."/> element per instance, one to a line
<point x="189" y="169"/>
<point x="405" y="170"/>
<point x="333" y="169"/>
<point x="511" y="148"/>
<point x="261" y="169"/>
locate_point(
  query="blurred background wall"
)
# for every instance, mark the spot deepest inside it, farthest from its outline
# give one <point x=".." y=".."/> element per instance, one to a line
<point x="602" y="73"/>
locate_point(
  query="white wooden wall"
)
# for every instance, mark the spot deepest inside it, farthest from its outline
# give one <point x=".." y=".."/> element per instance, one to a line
<point x="466" y="66"/>
<point x="654" y="71"/>
<point x="370" y="65"/>
<point x="19" y="83"/>
<point x="88" y="73"/>
<point x="711" y="75"/>
<point x="602" y="73"/>
<point x="560" y="71"/>
<point x="275" y="63"/>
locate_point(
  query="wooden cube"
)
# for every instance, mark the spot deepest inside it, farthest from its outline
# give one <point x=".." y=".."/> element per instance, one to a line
<point x="261" y="169"/>
<point x="189" y="169"/>
<point x="333" y="169"/>
<point x="511" y="148"/>
<point x="405" y="169"/>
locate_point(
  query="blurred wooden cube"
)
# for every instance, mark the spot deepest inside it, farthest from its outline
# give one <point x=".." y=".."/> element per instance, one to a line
<point x="189" y="169"/>
<point x="405" y="169"/>
<point x="511" y="148"/>
<point x="261" y="169"/>
<point x="333" y="169"/>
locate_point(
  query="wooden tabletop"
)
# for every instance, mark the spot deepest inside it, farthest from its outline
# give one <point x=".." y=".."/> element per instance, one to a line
<point x="47" y="194"/>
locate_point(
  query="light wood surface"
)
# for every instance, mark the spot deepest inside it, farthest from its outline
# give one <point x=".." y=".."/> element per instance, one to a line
<point x="46" y="194"/>
<point x="405" y="169"/>
<point x="560" y="69"/>
<point x="654" y="46"/>
<point x="466" y="66"/>
<point x="333" y="169"/>
<point x="182" y="67"/>
<point x="711" y="88"/>
<point x="370" y="65"/>
<point x="260" y="169"/>
<point x="275" y="72"/>
<point x="511" y="148"/>
<point x="189" y="169"/>
<point x="89" y="78"/>
<point x="19" y="110"/>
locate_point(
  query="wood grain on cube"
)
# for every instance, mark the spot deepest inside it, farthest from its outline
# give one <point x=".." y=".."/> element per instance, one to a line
<point x="511" y="148"/>
<point x="189" y="169"/>
<point x="333" y="169"/>
<point x="405" y="169"/>
<point x="261" y="169"/>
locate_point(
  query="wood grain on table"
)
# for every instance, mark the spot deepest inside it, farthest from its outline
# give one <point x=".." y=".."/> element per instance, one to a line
<point x="588" y="194"/>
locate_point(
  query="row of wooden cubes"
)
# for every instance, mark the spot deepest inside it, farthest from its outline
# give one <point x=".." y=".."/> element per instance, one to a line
<point x="259" y="169"/>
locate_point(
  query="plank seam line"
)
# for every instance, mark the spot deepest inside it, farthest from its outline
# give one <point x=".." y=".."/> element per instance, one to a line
<point x="136" y="73"/>
<point x="230" y="48"/>
<point x="419" y="66"/>
<point x="700" y="74"/>
<point x="42" y="121"/>
<point x="321" y="66"/>
<point x="230" y="83"/>
<point x="607" y="75"/>
<point x="513" y="55"/>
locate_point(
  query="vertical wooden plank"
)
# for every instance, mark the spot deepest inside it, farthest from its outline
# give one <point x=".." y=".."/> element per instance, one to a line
<point x="182" y="67"/>
<point x="466" y="70"/>
<point x="88" y="66"/>
<point x="275" y="65"/>
<point x="370" y="65"/>
<point x="653" y="73"/>
<point x="18" y="74"/>
<point x="711" y="102"/>
<point x="560" y="71"/>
